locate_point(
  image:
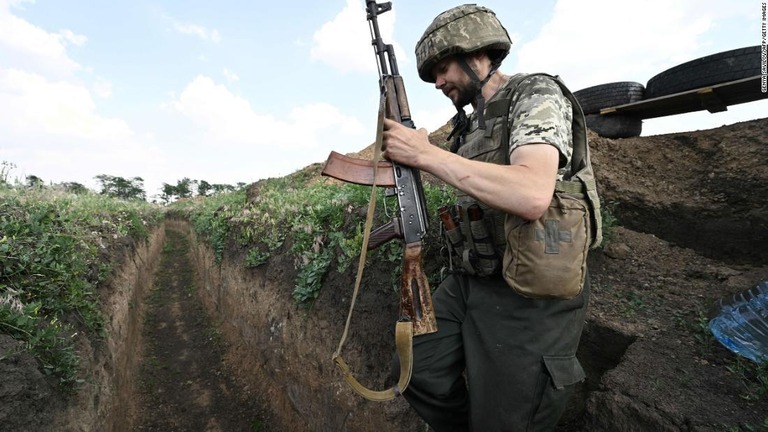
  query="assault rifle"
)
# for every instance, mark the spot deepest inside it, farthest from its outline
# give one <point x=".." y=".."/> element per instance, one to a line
<point x="409" y="225"/>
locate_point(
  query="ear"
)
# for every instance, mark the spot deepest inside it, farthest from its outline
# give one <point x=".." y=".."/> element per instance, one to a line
<point x="479" y="61"/>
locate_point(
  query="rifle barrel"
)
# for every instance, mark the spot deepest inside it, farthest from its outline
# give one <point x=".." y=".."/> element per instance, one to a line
<point x="381" y="49"/>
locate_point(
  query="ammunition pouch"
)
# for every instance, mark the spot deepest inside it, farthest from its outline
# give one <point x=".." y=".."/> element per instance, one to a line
<point x="470" y="245"/>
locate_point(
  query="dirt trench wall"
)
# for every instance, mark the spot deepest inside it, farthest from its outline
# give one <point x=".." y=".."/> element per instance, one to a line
<point x="106" y="402"/>
<point x="124" y="309"/>
<point x="30" y="402"/>
<point x="702" y="190"/>
<point x="285" y="352"/>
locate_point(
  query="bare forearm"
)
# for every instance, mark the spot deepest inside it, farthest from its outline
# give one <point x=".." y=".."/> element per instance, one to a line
<point x="524" y="187"/>
<point x="516" y="189"/>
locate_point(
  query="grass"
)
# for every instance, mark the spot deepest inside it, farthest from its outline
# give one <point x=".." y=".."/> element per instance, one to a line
<point x="753" y="377"/>
<point x="324" y="221"/>
<point x="609" y="221"/>
<point x="52" y="248"/>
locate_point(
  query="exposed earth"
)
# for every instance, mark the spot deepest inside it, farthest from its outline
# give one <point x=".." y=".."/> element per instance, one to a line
<point x="185" y="382"/>
<point x="225" y="349"/>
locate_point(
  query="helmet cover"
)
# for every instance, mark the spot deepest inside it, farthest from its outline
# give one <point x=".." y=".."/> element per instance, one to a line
<point x="461" y="30"/>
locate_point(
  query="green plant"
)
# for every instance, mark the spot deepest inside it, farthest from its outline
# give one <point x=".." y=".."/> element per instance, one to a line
<point x="610" y="222"/>
<point x="52" y="263"/>
<point x="211" y="217"/>
<point x="700" y="327"/>
<point x="634" y="302"/>
<point x="310" y="277"/>
<point x="5" y="170"/>
<point x="255" y="257"/>
<point x="753" y="377"/>
<point x="45" y="338"/>
<point x="314" y="217"/>
<point x="696" y="321"/>
<point x="257" y="425"/>
<point x="349" y="245"/>
<point x="324" y="221"/>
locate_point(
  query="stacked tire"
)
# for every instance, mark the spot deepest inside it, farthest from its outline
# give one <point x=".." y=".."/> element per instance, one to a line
<point x="725" y="66"/>
<point x="593" y="99"/>
<point x="713" y="69"/>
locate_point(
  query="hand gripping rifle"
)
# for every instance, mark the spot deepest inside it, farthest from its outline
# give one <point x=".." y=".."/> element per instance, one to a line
<point x="410" y="224"/>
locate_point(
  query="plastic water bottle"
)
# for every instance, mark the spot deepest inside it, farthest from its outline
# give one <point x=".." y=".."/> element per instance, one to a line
<point x="741" y="323"/>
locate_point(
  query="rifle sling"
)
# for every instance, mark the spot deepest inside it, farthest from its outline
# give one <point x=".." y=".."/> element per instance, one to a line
<point x="404" y="343"/>
<point x="403" y="329"/>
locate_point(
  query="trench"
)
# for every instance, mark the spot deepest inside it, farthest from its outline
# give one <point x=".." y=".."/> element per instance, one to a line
<point x="185" y="382"/>
<point x="221" y="346"/>
<point x="201" y="344"/>
<point x="196" y="343"/>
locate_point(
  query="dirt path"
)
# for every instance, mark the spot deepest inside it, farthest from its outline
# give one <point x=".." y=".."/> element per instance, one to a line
<point x="184" y="382"/>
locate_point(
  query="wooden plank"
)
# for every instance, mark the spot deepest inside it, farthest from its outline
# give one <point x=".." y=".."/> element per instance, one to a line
<point x="710" y="100"/>
<point x="715" y="98"/>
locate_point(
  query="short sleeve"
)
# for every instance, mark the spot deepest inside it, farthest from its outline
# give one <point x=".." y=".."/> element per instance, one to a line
<point x="541" y="114"/>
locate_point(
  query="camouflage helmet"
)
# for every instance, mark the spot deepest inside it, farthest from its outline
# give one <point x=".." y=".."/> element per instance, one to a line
<point x="461" y="30"/>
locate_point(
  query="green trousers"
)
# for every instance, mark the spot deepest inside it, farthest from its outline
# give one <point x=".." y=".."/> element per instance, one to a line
<point x="499" y="361"/>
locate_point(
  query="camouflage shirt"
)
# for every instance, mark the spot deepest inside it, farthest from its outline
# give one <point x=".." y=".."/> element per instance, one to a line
<point x="540" y="114"/>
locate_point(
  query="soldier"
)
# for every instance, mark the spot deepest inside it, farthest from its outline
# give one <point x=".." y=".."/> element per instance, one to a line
<point x="511" y="312"/>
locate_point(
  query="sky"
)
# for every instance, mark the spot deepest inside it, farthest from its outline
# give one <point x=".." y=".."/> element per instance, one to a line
<point x="241" y="90"/>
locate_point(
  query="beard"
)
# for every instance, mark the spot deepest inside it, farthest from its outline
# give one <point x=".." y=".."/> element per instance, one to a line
<point x="466" y="94"/>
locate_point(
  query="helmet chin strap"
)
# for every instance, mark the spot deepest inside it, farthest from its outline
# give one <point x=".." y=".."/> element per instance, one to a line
<point x="460" y="121"/>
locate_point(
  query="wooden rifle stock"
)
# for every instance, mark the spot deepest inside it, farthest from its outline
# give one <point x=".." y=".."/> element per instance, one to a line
<point x="415" y="298"/>
<point x="389" y="231"/>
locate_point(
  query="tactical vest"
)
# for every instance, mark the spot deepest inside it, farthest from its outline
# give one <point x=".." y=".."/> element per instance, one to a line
<point x="479" y="237"/>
